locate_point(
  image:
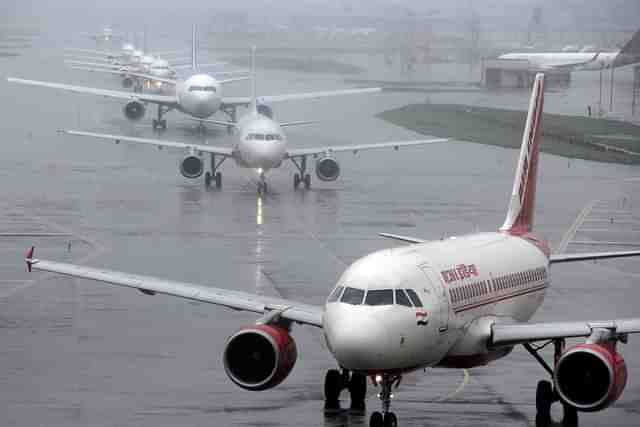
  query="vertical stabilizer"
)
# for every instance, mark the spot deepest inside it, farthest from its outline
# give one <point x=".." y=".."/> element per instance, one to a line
<point x="630" y="53"/>
<point x="254" y="99"/>
<point x="522" y="204"/>
<point x="194" y="48"/>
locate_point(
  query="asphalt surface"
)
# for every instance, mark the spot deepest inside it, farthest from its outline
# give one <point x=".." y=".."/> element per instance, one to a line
<point x="78" y="353"/>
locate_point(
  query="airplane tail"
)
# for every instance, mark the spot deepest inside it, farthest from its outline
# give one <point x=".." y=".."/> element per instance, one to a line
<point x="630" y="52"/>
<point x="194" y="48"/>
<point x="519" y="218"/>
<point x="252" y="79"/>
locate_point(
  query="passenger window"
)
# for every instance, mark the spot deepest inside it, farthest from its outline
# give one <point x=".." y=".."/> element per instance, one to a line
<point x="402" y="298"/>
<point x="379" y="297"/>
<point x="414" y="297"/>
<point x="352" y="296"/>
<point x="335" y="295"/>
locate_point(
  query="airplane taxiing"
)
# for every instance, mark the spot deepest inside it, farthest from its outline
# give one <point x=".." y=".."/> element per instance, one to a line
<point x="261" y="144"/>
<point x="453" y="303"/>
<point x="584" y="60"/>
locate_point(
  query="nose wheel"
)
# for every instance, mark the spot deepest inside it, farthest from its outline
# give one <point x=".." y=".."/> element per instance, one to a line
<point x="386" y="418"/>
<point x="262" y="184"/>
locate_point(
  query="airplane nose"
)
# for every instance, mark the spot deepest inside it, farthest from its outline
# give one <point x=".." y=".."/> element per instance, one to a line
<point x="360" y="342"/>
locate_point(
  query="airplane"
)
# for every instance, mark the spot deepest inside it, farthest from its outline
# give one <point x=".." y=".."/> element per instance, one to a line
<point x="584" y="60"/>
<point x="455" y="303"/>
<point x="260" y="144"/>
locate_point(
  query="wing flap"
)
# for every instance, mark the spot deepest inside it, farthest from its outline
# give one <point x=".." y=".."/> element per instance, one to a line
<point x="243" y="301"/>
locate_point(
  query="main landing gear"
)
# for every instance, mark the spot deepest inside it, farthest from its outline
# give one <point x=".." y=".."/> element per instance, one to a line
<point x="160" y="123"/>
<point x="336" y="381"/>
<point x="214" y="175"/>
<point x="303" y="176"/>
<point x="545" y="393"/>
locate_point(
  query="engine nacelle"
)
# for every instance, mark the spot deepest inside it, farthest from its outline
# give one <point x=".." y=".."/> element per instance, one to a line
<point x="265" y="110"/>
<point x="327" y="169"/>
<point x="127" y="82"/>
<point x="590" y="377"/>
<point x="134" y="110"/>
<point x="191" y="167"/>
<point x="260" y="357"/>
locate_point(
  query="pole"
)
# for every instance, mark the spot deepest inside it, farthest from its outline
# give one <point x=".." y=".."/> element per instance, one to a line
<point x="611" y="90"/>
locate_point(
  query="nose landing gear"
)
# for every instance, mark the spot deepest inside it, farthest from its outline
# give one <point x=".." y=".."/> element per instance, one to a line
<point x="386" y="418"/>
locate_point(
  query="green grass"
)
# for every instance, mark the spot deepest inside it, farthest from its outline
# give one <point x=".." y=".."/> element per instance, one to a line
<point x="568" y="136"/>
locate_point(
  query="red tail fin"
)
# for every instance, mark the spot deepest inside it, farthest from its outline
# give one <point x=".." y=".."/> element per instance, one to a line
<point x="521" y="206"/>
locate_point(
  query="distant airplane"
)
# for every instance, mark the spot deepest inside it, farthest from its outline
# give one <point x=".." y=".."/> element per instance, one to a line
<point x="261" y="144"/>
<point x="456" y="303"/>
<point x="584" y="60"/>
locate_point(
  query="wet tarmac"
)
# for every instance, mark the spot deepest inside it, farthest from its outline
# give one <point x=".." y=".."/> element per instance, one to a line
<point x="78" y="353"/>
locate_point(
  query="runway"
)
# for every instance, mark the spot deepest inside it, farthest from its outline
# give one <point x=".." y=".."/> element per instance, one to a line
<point x="78" y="353"/>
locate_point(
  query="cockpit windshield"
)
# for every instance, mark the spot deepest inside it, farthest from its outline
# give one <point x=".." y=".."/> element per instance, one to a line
<point x="373" y="297"/>
<point x="352" y="296"/>
<point x="379" y="297"/>
<point x="202" y="88"/>
<point x="263" y="137"/>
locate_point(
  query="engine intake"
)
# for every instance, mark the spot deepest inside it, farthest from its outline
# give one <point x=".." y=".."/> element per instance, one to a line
<point x="260" y="357"/>
<point x="191" y="167"/>
<point x="590" y="377"/>
<point x="134" y="110"/>
<point x="327" y="169"/>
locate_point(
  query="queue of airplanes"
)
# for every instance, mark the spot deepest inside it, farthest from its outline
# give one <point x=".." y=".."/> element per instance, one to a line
<point x="457" y="303"/>
<point x="585" y="60"/>
<point x="260" y="142"/>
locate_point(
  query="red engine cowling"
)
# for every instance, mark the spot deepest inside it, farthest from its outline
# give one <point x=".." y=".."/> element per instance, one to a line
<point x="260" y="357"/>
<point x="590" y="377"/>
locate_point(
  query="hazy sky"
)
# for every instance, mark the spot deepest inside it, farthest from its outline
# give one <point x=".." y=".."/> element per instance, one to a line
<point x="557" y="14"/>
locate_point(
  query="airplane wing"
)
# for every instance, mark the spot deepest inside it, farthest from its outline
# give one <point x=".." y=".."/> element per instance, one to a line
<point x="360" y="147"/>
<point x="144" y="97"/>
<point x="245" y="101"/>
<point x="296" y="312"/>
<point x="200" y="66"/>
<point x="128" y="73"/>
<point x="406" y="239"/>
<point x="508" y="334"/>
<point x="586" y="256"/>
<point x="106" y="65"/>
<point x="92" y="51"/>
<point x="223" y="151"/>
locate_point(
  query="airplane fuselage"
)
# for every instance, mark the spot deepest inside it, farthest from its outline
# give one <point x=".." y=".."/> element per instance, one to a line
<point x="464" y="284"/>
<point x="578" y="61"/>
<point x="261" y="143"/>
<point x="199" y="96"/>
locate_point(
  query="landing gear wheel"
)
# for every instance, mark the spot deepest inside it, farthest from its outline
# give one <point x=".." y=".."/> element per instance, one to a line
<point x="390" y="420"/>
<point x="207" y="179"/>
<point x="262" y="188"/>
<point x="163" y="124"/>
<point x="307" y="181"/>
<point x="332" y="386"/>
<point x="218" y="180"/>
<point x="296" y="181"/>
<point x="544" y="399"/>
<point x="376" y="420"/>
<point x="570" y="418"/>
<point x="358" y="391"/>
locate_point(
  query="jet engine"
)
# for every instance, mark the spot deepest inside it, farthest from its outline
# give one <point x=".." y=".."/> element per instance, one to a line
<point x="260" y="357"/>
<point x="590" y="377"/>
<point x="327" y="168"/>
<point x="134" y="110"/>
<point x="265" y="110"/>
<point x="191" y="166"/>
<point x="127" y="82"/>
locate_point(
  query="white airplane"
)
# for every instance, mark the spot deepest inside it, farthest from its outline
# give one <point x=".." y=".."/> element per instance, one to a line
<point x="585" y="60"/>
<point x="261" y="144"/>
<point x="454" y="303"/>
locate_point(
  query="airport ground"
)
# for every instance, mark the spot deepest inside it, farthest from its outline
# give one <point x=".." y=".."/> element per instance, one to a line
<point x="78" y="353"/>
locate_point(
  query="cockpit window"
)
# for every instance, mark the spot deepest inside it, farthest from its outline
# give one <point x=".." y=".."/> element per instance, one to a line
<point x="414" y="297"/>
<point x="335" y="295"/>
<point x="258" y="136"/>
<point x="352" y="296"/>
<point x="379" y="297"/>
<point x="202" y="89"/>
<point x="402" y="298"/>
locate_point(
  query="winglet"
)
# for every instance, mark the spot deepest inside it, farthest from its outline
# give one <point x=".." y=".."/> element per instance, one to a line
<point x="29" y="259"/>
<point x="519" y="218"/>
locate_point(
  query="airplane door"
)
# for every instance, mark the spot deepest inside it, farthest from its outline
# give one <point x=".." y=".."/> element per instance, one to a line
<point x="437" y="288"/>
